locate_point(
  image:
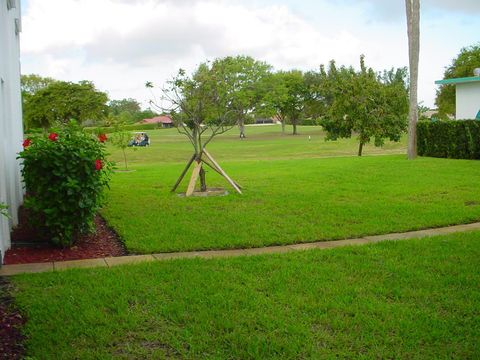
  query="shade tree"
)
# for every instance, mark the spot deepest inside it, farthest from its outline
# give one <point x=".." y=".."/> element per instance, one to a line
<point x="242" y="86"/>
<point x="61" y="101"/>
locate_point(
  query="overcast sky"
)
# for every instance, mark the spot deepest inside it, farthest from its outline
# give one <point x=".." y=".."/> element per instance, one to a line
<point x="121" y="44"/>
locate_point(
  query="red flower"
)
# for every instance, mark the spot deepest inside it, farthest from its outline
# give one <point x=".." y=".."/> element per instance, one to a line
<point x="102" y="138"/>
<point x="98" y="165"/>
<point x="53" y="136"/>
<point x="26" y="143"/>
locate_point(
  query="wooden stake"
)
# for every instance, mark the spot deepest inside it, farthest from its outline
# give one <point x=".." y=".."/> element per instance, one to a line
<point x="183" y="173"/>
<point x="223" y="173"/>
<point x="193" y="179"/>
<point x="217" y="171"/>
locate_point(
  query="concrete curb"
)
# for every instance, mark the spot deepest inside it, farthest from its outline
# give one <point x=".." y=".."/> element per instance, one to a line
<point x="8" y="270"/>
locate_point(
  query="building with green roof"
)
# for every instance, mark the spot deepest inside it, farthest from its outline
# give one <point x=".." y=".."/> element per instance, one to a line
<point x="467" y="91"/>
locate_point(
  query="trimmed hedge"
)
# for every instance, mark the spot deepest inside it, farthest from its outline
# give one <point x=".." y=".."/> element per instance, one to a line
<point x="456" y="139"/>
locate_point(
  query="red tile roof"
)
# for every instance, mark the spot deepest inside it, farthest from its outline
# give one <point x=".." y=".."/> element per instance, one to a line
<point x="158" y="119"/>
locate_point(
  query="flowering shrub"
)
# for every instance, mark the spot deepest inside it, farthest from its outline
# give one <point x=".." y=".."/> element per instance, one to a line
<point x="65" y="175"/>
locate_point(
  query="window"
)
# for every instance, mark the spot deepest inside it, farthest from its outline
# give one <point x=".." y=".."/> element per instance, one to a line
<point x="11" y="4"/>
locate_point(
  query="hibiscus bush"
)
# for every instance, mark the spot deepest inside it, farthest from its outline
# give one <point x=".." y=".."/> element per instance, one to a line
<point x="65" y="173"/>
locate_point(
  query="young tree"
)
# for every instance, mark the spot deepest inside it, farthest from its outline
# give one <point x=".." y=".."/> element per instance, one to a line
<point x="462" y="66"/>
<point x="413" y="29"/>
<point x="241" y="78"/>
<point x="120" y="139"/>
<point x="200" y="106"/>
<point x="367" y="104"/>
<point x="61" y="101"/>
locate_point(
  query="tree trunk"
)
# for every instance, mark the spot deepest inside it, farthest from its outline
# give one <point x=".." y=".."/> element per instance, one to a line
<point x="125" y="159"/>
<point x="413" y="29"/>
<point x="360" y="149"/>
<point x="294" y="124"/>
<point x="283" y="126"/>
<point x="241" y="127"/>
<point x="203" y="181"/>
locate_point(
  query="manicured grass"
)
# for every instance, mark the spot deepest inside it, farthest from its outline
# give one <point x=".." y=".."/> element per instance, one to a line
<point x="416" y="299"/>
<point x="289" y="201"/>
<point x="262" y="143"/>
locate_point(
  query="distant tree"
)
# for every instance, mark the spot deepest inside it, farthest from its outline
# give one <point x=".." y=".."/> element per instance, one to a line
<point x="240" y="78"/>
<point x="413" y="30"/>
<point x="462" y="66"/>
<point x="366" y="104"/>
<point x="62" y="101"/>
<point x="144" y="114"/>
<point x="319" y="97"/>
<point x="287" y="95"/>
<point x="31" y="83"/>
<point x="200" y="106"/>
<point x="129" y="105"/>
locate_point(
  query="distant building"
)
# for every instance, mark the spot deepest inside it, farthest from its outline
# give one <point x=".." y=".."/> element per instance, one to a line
<point x="11" y="129"/>
<point x="164" y="121"/>
<point x="467" y="91"/>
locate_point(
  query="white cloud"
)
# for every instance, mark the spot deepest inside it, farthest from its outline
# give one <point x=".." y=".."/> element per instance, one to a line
<point x="120" y="44"/>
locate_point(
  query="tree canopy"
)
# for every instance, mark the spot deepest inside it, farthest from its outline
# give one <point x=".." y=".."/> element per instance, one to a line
<point x="129" y="105"/>
<point x="240" y="82"/>
<point x="32" y="83"/>
<point x="286" y="95"/>
<point x="62" y="101"/>
<point x="462" y="66"/>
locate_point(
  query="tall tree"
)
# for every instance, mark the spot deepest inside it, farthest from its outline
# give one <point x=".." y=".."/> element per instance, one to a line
<point x="62" y="101"/>
<point x="462" y="66"/>
<point x="242" y="79"/>
<point x="286" y="94"/>
<point x="364" y="103"/>
<point x="413" y="30"/>
<point x="32" y="83"/>
<point x="129" y="105"/>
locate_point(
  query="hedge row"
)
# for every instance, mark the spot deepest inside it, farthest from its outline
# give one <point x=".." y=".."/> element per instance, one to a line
<point x="456" y="139"/>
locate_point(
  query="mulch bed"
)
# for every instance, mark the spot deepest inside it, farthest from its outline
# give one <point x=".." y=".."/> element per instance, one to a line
<point x="30" y="246"/>
<point x="11" y="322"/>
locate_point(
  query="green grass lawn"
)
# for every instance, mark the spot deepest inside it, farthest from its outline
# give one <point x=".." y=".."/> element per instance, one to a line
<point x="262" y="143"/>
<point x="291" y="193"/>
<point x="416" y="299"/>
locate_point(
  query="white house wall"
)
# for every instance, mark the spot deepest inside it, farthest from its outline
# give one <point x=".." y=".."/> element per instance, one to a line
<point x="11" y="129"/>
<point x="467" y="100"/>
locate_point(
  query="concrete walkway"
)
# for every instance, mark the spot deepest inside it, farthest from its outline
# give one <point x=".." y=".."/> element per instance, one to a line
<point x="7" y="270"/>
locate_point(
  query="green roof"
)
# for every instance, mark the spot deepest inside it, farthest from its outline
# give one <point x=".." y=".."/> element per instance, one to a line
<point x="458" y="80"/>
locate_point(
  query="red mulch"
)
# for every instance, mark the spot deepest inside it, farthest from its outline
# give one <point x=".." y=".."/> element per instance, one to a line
<point x="30" y="246"/>
<point x="11" y="322"/>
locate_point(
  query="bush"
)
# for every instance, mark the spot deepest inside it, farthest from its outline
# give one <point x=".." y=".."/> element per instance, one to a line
<point x="457" y="139"/>
<point x="65" y="174"/>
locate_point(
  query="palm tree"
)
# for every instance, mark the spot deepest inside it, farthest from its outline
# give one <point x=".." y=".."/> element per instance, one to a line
<point x="413" y="28"/>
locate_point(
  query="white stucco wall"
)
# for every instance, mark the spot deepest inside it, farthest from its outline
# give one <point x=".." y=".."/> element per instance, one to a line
<point x="11" y="129"/>
<point x="467" y="100"/>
